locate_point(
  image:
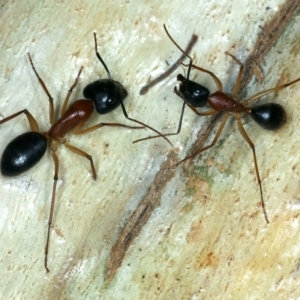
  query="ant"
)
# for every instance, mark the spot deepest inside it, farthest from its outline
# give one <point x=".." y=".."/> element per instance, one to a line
<point x="26" y="150"/>
<point x="270" y="116"/>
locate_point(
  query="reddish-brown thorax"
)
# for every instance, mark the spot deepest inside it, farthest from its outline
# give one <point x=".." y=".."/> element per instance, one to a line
<point x="78" y="113"/>
<point x="221" y="102"/>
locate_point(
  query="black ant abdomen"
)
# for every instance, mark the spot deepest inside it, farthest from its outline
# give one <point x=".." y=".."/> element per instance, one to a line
<point x="22" y="153"/>
<point x="192" y="92"/>
<point x="106" y="94"/>
<point x="270" y="116"/>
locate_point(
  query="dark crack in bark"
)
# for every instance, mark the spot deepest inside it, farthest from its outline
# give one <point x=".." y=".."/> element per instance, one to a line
<point x="140" y="216"/>
<point x="266" y="39"/>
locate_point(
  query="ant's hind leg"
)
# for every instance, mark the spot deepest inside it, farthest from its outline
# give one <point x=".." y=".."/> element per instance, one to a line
<point x="55" y="178"/>
<point x="247" y="139"/>
<point x="31" y="120"/>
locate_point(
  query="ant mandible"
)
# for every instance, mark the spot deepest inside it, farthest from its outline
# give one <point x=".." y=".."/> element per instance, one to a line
<point x="25" y="151"/>
<point x="270" y="116"/>
<point x="108" y="94"/>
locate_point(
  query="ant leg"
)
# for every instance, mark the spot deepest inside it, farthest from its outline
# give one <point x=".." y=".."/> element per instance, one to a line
<point x="214" y="77"/>
<point x="143" y="124"/>
<point x="239" y="77"/>
<point x="220" y="129"/>
<point x="246" y="137"/>
<point x="66" y="101"/>
<point x="206" y="113"/>
<point x="55" y="178"/>
<point x="209" y="112"/>
<point x="51" y="105"/>
<point x="166" y="134"/>
<point x="78" y="131"/>
<point x="272" y="90"/>
<point x="31" y="120"/>
<point x="122" y="104"/>
<point x="84" y="154"/>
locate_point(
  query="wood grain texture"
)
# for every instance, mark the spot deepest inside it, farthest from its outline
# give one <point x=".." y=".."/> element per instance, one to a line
<point x="207" y="238"/>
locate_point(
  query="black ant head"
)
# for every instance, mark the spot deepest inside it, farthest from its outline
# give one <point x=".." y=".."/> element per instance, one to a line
<point x="106" y="94"/>
<point x="270" y="116"/>
<point x="192" y="92"/>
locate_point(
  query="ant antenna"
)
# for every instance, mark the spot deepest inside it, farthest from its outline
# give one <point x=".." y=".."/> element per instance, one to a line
<point x="191" y="60"/>
<point x="100" y="58"/>
<point x="168" y="34"/>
